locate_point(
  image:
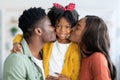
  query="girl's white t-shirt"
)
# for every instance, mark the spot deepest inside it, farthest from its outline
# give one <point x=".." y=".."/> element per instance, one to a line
<point x="57" y="57"/>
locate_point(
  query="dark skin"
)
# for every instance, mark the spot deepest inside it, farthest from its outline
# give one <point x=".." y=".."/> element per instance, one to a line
<point x="78" y="31"/>
<point x="60" y="77"/>
<point x="38" y="33"/>
<point x="63" y="29"/>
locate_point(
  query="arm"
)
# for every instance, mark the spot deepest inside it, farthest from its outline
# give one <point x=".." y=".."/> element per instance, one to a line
<point x="16" y="43"/>
<point x="100" y="70"/>
<point x="14" y="67"/>
<point x="17" y="38"/>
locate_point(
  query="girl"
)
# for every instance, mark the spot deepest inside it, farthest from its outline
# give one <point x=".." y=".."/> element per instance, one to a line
<point x="92" y="36"/>
<point x="61" y="59"/>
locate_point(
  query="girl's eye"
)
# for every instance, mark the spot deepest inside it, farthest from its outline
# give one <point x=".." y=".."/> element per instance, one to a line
<point x="58" y="26"/>
<point x="68" y="27"/>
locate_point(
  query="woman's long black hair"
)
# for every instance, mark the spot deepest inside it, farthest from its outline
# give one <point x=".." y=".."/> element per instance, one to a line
<point x="96" y="39"/>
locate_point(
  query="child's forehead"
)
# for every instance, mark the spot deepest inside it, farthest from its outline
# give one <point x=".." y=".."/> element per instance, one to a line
<point x="62" y="20"/>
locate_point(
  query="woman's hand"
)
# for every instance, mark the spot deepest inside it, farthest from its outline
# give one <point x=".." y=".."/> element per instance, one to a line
<point x="16" y="48"/>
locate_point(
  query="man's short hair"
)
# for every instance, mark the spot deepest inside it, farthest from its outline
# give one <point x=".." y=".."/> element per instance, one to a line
<point x="29" y="18"/>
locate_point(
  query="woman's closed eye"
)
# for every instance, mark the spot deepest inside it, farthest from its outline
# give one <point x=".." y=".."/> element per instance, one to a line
<point x="78" y="27"/>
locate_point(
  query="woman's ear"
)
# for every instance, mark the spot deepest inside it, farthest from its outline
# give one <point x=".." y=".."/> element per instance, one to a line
<point x="38" y="31"/>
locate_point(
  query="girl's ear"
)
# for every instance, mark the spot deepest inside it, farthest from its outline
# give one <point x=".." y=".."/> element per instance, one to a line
<point x="38" y="31"/>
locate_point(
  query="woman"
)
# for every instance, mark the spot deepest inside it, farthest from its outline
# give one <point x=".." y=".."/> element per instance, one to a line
<point x="92" y="36"/>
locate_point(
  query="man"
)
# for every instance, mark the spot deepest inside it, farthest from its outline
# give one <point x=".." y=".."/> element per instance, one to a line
<point x="37" y="30"/>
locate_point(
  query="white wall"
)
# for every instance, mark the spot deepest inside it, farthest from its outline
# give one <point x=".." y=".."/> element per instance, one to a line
<point x="100" y="7"/>
<point x="110" y="4"/>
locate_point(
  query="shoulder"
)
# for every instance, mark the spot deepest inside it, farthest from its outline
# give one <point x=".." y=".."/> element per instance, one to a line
<point x="98" y="56"/>
<point x="99" y="66"/>
<point x="15" y="59"/>
<point x="14" y="65"/>
<point x="16" y="56"/>
<point x="98" y="59"/>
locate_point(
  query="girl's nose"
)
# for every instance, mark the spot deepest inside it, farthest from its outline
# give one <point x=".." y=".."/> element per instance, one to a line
<point x="62" y="29"/>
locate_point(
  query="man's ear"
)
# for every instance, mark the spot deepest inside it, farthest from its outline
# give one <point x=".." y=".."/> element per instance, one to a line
<point x="38" y="31"/>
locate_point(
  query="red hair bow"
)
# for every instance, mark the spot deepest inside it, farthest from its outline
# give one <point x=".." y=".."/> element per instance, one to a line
<point x="70" y="7"/>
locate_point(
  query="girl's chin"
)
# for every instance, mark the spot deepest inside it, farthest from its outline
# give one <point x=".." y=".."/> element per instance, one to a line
<point x="62" y="37"/>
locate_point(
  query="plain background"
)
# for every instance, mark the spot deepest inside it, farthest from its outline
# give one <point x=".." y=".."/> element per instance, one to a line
<point x="109" y="10"/>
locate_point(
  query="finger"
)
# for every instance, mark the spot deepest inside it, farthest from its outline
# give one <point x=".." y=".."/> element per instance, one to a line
<point x="62" y="76"/>
<point x="19" y="49"/>
<point x="19" y="46"/>
<point x="52" y="78"/>
<point x="14" y="50"/>
<point x="55" y="78"/>
<point x="58" y="74"/>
